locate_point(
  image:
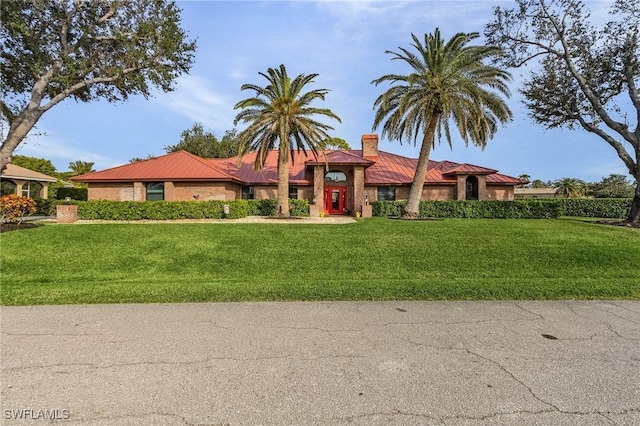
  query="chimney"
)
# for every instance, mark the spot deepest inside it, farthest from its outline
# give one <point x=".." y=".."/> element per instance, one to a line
<point x="370" y="145"/>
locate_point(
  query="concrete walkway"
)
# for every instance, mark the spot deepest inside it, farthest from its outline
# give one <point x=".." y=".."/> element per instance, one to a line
<point x="342" y="363"/>
<point x="327" y="220"/>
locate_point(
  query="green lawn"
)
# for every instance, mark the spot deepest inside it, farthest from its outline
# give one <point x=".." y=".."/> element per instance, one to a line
<point x="373" y="259"/>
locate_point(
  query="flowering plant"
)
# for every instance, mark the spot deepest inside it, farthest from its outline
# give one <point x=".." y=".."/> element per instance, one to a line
<point x="15" y="207"/>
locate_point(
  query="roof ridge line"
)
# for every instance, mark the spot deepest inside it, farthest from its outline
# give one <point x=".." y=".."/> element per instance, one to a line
<point x="204" y="162"/>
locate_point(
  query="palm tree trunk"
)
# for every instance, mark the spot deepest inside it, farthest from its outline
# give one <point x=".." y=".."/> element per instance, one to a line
<point x="412" y="209"/>
<point x="283" y="181"/>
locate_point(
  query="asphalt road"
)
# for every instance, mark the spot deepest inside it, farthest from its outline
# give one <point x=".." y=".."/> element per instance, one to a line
<point x="342" y="363"/>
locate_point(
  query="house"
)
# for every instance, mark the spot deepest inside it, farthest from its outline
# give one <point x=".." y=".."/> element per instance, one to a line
<point x="536" y="192"/>
<point x="337" y="182"/>
<point x="20" y="181"/>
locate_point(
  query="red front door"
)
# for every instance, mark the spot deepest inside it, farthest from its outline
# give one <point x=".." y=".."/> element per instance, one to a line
<point x="335" y="199"/>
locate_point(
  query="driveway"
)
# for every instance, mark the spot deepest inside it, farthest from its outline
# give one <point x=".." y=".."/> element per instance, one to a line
<point x="334" y="363"/>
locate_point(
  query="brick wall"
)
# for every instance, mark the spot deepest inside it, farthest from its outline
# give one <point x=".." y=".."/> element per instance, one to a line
<point x="110" y="191"/>
<point x="438" y="192"/>
<point x="205" y="191"/>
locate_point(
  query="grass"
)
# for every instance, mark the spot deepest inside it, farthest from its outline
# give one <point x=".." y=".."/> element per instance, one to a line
<point x="373" y="259"/>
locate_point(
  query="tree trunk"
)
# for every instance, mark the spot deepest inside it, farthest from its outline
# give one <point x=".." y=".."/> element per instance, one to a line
<point x="18" y="130"/>
<point x="283" y="182"/>
<point x="412" y="209"/>
<point x="634" y="214"/>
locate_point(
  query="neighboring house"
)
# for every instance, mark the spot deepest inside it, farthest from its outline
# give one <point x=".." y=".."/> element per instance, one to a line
<point x="338" y="181"/>
<point x="545" y="192"/>
<point x="20" y="181"/>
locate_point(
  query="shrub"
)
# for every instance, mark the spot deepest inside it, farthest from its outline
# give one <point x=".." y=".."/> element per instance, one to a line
<point x="15" y="207"/>
<point x="298" y="207"/>
<point x="161" y="210"/>
<point x="517" y="209"/>
<point x="45" y="207"/>
<point x="268" y="207"/>
<point x="80" y="194"/>
<point x="612" y="208"/>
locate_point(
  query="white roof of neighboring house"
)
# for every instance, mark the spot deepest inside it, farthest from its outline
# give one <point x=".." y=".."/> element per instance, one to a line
<point x="16" y="172"/>
<point x="536" y="192"/>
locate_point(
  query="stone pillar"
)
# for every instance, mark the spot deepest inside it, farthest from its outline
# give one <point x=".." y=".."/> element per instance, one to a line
<point x="44" y="193"/>
<point x="66" y="213"/>
<point x="19" y="185"/>
<point x="358" y="189"/>
<point x="482" y="187"/>
<point x="462" y="187"/>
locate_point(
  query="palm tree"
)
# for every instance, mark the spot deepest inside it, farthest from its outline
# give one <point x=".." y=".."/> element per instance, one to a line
<point x="570" y="188"/>
<point x="449" y="82"/>
<point x="280" y="115"/>
<point x="80" y="167"/>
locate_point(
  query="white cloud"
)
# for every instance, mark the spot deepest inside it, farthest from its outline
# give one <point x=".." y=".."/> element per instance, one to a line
<point x="196" y="99"/>
<point x="61" y="153"/>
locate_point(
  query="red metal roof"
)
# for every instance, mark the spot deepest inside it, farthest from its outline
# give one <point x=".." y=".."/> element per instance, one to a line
<point x="179" y="165"/>
<point x="341" y="157"/>
<point x="385" y="169"/>
<point x="269" y="173"/>
<point x="469" y="169"/>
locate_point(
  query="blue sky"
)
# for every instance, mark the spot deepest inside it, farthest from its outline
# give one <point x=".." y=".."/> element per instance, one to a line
<point x="345" y="43"/>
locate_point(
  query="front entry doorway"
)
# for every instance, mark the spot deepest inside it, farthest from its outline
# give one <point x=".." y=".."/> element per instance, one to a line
<point x="335" y="199"/>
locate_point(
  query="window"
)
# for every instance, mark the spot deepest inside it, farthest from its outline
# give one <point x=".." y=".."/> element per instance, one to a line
<point x="155" y="191"/>
<point x="247" y="193"/>
<point x="386" y="193"/>
<point x="472" y="188"/>
<point x="293" y="192"/>
<point x="335" y="177"/>
<point x="31" y="189"/>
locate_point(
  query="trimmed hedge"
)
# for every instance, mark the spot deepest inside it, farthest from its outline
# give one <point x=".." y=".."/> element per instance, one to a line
<point x="161" y="210"/>
<point x="611" y="208"/>
<point x="517" y="209"/>
<point x="268" y="207"/>
<point x="170" y="210"/>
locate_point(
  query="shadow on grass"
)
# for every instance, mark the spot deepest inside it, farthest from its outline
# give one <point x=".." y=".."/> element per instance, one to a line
<point x="6" y="227"/>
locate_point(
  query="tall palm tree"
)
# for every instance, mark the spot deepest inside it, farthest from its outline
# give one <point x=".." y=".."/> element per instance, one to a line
<point x="448" y="82"/>
<point x="280" y="115"/>
<point x="570" y="188"/>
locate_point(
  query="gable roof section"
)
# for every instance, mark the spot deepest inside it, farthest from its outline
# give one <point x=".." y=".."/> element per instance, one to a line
<point x="392" y="169"/>
<point x="16" y="172"/>
<point x="176" y="166"/>
<point x="341" y="158"/>
<point x="247" y="174"/>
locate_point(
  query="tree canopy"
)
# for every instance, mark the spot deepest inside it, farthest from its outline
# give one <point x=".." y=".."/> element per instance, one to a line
<point x="583" y="76"/>
<point x="84" y="50"/>
<point x="449" y="81"/>
<point x="335" y="143"/>
<point x="80" y="167"/>
<point x="280" y="115"/>
<point x="41" y="165"/>
<point x="205" y="144"/>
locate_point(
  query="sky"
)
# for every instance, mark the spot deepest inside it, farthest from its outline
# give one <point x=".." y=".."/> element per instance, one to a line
<point x="345" y="44"/>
